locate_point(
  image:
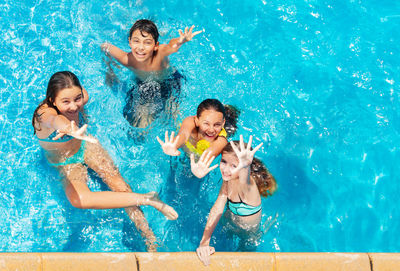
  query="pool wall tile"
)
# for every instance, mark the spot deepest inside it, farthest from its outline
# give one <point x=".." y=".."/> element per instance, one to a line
<point x="89" y="261"/>
<point x="322" y="262"/>
<point x="20" y="261"/>
<point x="142" y="261"/>
<point x="219" y="261"/>
<point x="385" y="261"/>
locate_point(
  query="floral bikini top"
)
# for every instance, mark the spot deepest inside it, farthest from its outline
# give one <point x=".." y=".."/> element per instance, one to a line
<point x="202" y="144"/>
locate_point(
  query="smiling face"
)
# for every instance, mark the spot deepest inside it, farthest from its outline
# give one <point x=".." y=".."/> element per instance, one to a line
<point x="69" y="101"/>
<point x="142" y="45"/>
<point x="229" y="162"/>
<point x="210" y="124"/>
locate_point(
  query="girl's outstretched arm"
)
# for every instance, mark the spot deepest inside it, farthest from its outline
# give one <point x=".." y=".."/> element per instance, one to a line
<point x="217" y="146"/>
<point x="51" y="119"/>
<point x="204" y="250"/>
<point x="171" y="144"/>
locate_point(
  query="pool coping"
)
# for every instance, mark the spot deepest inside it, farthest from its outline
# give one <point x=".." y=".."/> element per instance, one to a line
<point x="138" y="261"/>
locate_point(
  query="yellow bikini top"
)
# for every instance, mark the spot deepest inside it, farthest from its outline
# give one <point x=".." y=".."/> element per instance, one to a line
<point x="202" y="144"/>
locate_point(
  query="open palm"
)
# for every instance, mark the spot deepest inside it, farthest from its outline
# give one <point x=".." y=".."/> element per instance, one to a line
<point x="202" y="167"/>
<point x="245" y="154"/>
<point x="169" y="146"/>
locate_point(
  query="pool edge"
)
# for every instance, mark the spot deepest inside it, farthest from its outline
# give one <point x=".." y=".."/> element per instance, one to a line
<point x="188" y="261"/>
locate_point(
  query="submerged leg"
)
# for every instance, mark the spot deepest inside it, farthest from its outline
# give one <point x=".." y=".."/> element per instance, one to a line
<point x="98" y="159"/>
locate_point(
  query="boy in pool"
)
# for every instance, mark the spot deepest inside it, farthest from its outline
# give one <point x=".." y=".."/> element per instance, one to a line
<point x="149" y="61"/>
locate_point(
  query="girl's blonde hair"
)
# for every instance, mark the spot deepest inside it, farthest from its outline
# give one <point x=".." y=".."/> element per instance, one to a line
<point x="258" y="172"/>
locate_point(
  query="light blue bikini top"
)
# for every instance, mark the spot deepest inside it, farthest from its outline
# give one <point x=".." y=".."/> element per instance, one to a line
<point x="243" y="209"/>
<point x="64" y="138"/>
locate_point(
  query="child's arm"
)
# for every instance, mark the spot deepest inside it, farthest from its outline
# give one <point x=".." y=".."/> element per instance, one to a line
<point x="176" y="43"/>
<point x="51" y="119"/>
<point x="217" y="146"/>
<point x="204" y="250"/>
<point x="115" y="52"/>
<point x="172" y="144"/>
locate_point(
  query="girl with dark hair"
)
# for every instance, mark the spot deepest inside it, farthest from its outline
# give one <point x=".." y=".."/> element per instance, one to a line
<point x="245" y="180"/>
<point x="202" y="132"/>
<point x="72" y="152"/>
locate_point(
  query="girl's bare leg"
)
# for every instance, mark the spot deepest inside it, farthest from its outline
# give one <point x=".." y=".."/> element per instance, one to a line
<point x="98" y="159"/>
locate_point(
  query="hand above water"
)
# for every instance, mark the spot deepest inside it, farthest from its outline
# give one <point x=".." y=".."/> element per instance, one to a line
<point x="245" y="154"/>
<point x="78" y="133"/>
<point x="188" y="35"/>
<point x="170" y="145"/>
<point x="202" y="167"/>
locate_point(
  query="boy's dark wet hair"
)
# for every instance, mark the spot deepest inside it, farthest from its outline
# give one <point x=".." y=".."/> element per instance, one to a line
<point x="230" y="113"/>
<point x="147" y="26"/>
<point x="57" y="82"/>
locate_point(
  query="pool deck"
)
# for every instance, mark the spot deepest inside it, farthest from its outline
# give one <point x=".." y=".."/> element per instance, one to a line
<point x="189" y="261"/>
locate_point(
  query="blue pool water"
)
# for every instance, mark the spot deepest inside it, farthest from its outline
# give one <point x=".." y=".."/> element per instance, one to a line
<point x="317" y="81"/>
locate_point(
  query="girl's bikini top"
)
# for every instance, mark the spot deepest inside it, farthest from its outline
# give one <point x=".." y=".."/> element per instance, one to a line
<point x="202" y="144"/>
<point x="243" y="209"/>
<point x="64" y="138"/>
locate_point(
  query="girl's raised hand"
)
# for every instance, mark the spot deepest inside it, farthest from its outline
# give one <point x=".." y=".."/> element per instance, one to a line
<point x="245" y="154"/>
<point x="202" y="167"/>
<point x="170" y="145"/>
<point x="78" y="133"/>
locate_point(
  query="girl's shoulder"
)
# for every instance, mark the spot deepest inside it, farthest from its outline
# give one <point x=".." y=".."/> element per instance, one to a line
<point x="188" y="123"/>
<point x="45" y="113"/>
<point x="45" y="109"/>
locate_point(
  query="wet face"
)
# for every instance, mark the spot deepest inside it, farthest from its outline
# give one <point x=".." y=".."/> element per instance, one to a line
<point x="142" y="45"/>
<point x="69" y="101"/>
<point x="210" y="124"/>
<point x="229" y="162"/>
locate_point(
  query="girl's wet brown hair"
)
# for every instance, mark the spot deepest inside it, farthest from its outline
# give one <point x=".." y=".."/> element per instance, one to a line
<point x="258" y="172"/>
<point x="58" y="81"/>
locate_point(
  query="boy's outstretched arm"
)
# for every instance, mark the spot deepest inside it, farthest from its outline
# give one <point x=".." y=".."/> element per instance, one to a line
<point x="115" y="52"/>
<point x="174" y="44"/>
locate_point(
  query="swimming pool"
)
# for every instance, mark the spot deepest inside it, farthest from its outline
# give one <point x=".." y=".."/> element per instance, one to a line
<point x="315" y="79"/>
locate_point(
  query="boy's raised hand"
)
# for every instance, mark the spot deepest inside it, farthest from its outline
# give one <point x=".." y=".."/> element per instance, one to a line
<point x="170" y="145"/>
<point x="245" y="154"/>
<point x="202" y="167"/>
<point x="188" y="35"/>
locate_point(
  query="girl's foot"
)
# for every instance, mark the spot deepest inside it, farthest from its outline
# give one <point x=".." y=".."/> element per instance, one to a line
<point x="165" y="209"/>
<point x="151" y="244"/>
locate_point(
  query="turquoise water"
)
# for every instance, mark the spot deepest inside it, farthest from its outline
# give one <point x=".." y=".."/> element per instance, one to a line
<point x="317" y="81"/>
